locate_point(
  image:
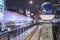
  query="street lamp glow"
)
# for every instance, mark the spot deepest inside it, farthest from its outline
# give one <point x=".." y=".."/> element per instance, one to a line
<point x="30" y="2"/>
<point x="32" y="14"/>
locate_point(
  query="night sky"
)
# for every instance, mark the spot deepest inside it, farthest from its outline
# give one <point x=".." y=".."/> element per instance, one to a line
<point x="24" y="4"/>
<point x="15" y="4"/>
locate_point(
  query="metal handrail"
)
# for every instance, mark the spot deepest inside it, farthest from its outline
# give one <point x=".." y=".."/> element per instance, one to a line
<point x="13" y="33"/>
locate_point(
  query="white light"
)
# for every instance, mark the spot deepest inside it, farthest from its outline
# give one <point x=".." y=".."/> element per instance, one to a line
<point x="47" y="17"/>
<point x="1" y="15"/>
<point x="32" y="14"/>
<point x="2" y="29"/>
<point x="8" y="29"/>
<point x="13" y="15"/>
<point x="30" y="2"/>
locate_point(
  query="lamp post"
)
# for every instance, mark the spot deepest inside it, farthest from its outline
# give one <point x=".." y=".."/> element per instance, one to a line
<point x="47" y="17"/>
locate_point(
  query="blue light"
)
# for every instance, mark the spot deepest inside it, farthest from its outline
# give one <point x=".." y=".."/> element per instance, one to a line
<point x="48" y="8"/>
<point x="48" y="11"/>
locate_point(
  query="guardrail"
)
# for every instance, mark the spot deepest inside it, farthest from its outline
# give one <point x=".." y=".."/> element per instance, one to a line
<point x="30" y="35"/>
<point x="13" y="33"/>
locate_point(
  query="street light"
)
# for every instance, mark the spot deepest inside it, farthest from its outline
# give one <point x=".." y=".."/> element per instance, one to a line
<point x="30" y="2"/>
<point x="32" y="14"/>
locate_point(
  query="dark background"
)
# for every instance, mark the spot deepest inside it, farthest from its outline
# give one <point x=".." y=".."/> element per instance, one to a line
<point x="24" y="4"/>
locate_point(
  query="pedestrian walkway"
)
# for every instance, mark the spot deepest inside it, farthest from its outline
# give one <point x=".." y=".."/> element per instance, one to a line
<point x="37" y="34"/>
<point x="26" y="33"/>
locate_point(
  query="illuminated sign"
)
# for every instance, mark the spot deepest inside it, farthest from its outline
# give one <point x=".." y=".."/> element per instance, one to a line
<point x="47" y="8"/>
<point x="1" y="9"/>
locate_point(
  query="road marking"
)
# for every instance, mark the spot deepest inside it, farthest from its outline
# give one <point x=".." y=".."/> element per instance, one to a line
<point x="30" y="35"/>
